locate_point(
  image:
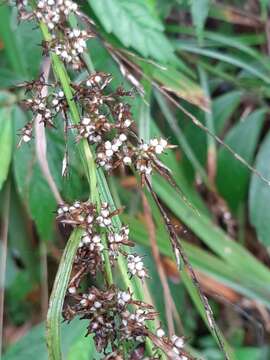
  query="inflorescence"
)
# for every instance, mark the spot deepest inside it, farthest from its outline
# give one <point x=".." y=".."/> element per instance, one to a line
<point x="106" y="123"/>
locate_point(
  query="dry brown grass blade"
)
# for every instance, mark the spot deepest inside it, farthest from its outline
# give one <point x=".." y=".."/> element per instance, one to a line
<point x="163" y="279"/>
<point x="235" y="16"/>
<point x="181" y="257"/>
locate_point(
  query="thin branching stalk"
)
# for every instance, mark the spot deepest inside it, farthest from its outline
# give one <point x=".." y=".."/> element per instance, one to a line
<point x="64" y="270"/>
<point x="55" y="307"/>
<point x="144" y="159"/>
<point x="163" y="279"/>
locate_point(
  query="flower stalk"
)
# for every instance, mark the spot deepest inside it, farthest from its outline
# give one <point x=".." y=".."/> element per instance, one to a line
<point x="99" y="241"/>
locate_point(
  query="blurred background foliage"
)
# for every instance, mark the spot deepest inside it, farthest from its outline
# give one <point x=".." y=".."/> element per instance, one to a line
<point x="213" y="59"/>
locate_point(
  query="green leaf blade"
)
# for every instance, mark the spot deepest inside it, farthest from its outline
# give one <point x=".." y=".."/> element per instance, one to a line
<point x="6" y="143"/>
<point x="242" y="138"/>
<point x="135" y="26"/>
<point x="259" y="195"/>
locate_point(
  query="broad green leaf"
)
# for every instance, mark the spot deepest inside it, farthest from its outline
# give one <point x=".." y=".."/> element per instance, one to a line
<point x="80" y="350"/>
<point x="232" y="177"/>
<point x="6" y="142"/>
<point x="264" y="6"/>
<point x="31" y="184"/>
<point x="223" y="107"/>
<point x="18" y="238"/>
<point x="246" y="353"/>
<point x="9" y="78"/>
<point x="164" y="7"/>
<point x="199" y="12"/>
<point x="10" y="41"/>
<point x="21" y="43"/>
<point x="33" y="344"/>
<point x="136" y="26"/>
<point x="259" y="195"/>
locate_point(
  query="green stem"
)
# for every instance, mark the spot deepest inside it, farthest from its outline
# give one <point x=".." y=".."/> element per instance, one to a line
<point x="53" y="322"/>
<point x="54" y="316"/>
<point x="97" y="181"/>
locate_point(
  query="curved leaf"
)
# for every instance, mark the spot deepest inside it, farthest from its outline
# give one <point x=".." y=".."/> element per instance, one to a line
<point x="259" y="195"/>
<point x="135" y="26"/>
<point x="6" y="143"/>
<point x="243" y="139"/>
<point x="32" y="186"/>
<point x="199" y="12"/>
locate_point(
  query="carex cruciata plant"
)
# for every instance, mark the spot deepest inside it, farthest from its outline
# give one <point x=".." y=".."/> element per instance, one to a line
<point x="120" y="319"/>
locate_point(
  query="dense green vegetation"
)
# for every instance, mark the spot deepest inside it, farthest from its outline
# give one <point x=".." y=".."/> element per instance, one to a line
<point x="199" y="73"/>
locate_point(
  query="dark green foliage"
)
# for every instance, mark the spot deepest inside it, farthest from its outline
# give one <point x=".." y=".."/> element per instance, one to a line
<point x="170" y="42"/>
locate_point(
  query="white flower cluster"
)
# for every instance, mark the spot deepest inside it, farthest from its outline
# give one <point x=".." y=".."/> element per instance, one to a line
<point x="136" y="266"/>
<point x="105" y="153"/>
<point x="87" y="129"/>
<point x="87" y="299"/>
<point x="146" y="157"/>
<point x="53" y="12"/>
<point x="90" y="299"/>
<point x="98" y="81"/>
<point x="123" y="297"/>
<point x="144" y="167"/>
<point x="93" y="241"/>
<point x="70" y="49"/>
<point x="26" y="133"/>
<point x="119" y="237"/>
<point x="116" y="239"/>
<point x="155" y="145"/>
<point x="56" y="100"/>
<point x="86" y="215"/>
<point x="65" y="208"/>
<point x="104" y="219"/>
<point x="72" y="290"/>
<point x="123" y="116"/>
<point x="39" y="105"/>
<point x="159" y="145"/>
<point x="178" y="344"/>
<point x="139" y="317"/>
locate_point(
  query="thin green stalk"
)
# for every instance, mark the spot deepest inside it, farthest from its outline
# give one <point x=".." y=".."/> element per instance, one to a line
<point x="54" y="316"/>
<point x="57" y="296"/>
<point x="97" y="181"/>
